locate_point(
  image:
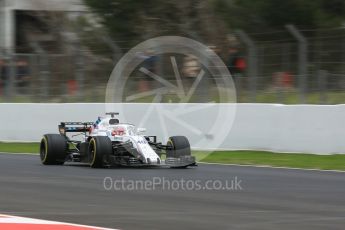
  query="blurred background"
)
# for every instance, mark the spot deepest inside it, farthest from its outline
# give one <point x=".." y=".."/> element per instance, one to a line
<point x="288" y="52"/>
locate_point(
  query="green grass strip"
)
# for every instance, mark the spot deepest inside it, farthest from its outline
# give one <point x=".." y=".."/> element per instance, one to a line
<point x="14" y="147"/>
<point x="293" y="160"/>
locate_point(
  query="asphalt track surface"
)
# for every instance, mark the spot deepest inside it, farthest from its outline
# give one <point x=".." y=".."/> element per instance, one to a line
<point x="269" y="199"/>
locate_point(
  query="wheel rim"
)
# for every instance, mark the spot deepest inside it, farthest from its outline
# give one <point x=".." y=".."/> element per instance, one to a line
<point x="92" y="152"/>
<point x="170" y="152"/>
<point x="43" y="150"/>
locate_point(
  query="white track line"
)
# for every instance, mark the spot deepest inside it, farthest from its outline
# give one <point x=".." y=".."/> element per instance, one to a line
<point x="274" y="167"/>
<point x="253" y="166"/>
<point x="31" y="154"/>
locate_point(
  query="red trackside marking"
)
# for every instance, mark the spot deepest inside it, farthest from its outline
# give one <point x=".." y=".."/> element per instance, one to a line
<point x="16" y="222"/>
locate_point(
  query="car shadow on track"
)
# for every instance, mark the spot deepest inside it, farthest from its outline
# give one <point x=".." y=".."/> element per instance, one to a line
<point x="125" y="167"/>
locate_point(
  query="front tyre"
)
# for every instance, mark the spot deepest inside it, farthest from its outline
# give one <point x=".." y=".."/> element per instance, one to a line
<point x="178" y="146"/>
<point x="53" y="149"/>
<point x="100" y="148"/>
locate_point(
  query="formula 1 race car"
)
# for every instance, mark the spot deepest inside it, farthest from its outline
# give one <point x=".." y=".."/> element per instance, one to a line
<point x="107" y="142"/>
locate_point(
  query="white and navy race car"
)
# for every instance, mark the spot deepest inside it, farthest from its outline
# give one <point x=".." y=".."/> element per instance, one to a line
<point x="107" y="142"/>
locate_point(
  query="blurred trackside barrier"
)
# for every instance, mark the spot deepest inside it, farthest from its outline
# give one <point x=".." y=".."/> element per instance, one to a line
<point x="288" y="66"/>
<point x="316" y="129"/>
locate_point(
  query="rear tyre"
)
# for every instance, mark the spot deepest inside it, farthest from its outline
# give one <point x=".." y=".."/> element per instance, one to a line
<point x="179" y="146"/>
<point x="100" y="148"/>
<point x="53" y="149"/>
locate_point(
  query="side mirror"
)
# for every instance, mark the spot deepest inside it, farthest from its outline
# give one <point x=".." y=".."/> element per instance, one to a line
<point x="141" y="130"/>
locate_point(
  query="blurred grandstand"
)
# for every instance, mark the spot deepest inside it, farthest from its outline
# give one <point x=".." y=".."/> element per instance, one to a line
<point x="60" y="51"/>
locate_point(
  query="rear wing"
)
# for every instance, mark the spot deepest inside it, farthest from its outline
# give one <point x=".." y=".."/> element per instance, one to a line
<point x="74" y="127"/>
